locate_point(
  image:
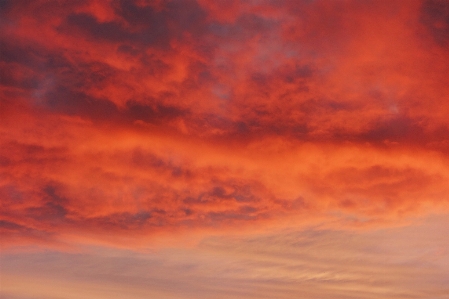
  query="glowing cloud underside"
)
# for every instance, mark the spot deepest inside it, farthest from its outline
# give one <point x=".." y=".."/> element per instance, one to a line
<point x="130" y="123"/>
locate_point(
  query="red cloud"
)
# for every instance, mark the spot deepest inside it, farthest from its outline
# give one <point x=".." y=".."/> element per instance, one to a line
<point x="133" y="118"/>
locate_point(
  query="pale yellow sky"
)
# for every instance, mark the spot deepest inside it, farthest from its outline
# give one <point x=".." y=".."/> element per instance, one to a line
<point x="403" y="262"/>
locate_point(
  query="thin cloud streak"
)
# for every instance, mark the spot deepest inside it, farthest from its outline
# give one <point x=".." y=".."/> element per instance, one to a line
<point x="405" y="262"/>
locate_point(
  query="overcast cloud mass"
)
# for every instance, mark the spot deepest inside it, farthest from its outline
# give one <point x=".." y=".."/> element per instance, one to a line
<point x="218" y="149"/>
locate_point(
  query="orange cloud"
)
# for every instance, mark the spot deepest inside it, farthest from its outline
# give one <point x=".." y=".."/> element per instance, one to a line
<point x="135" y="119"/>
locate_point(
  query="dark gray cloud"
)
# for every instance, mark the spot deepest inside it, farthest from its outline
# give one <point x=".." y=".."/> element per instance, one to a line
<point x="435" y="16"/>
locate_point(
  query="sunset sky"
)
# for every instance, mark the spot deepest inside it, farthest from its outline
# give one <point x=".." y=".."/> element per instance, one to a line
<point x="224" y="149"/>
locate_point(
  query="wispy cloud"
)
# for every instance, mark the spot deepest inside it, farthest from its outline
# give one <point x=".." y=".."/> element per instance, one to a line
<point x="406" y="262"/>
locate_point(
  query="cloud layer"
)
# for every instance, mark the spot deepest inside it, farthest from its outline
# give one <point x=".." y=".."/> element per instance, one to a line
<point x="397" y="263"/>
<point x="128" y="118"/>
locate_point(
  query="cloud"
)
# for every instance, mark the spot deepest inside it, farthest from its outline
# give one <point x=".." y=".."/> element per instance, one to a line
<point x="396" y="262"/>
<point x="70" y="177"/>
<point x="435" y="16"/>
<point x="139" y="118"/>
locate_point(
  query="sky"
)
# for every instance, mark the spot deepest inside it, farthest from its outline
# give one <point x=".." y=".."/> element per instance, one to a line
<point x="224" y="149"/>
